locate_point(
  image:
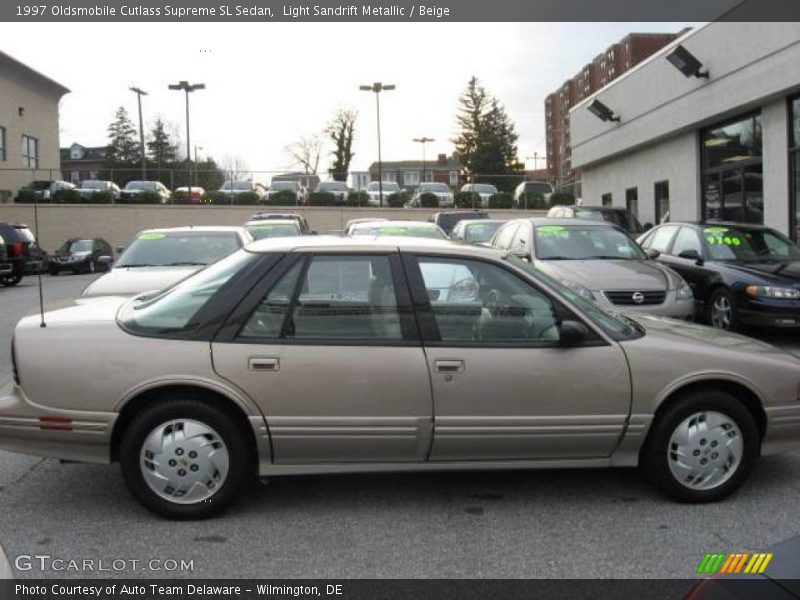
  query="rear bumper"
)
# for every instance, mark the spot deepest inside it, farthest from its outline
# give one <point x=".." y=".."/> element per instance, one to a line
<point x="28" y="428"/>
<point x="783" y="429"/>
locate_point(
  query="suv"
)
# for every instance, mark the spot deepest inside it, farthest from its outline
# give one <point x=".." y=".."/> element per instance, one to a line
<point x="447" y="220"/>
<point x="5" y="266"/>
<point x="621" y="217"/>
<point x="22" y="252"/>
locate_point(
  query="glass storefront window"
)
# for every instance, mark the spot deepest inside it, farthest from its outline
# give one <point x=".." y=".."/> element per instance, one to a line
<point x="661" y="193"/>
<point x="794" y="165"/>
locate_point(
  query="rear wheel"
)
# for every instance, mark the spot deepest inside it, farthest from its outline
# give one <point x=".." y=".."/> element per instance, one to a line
<point x="702" y="447"/>
<point x="10" y="280"/>
<point x="184" y="459"/>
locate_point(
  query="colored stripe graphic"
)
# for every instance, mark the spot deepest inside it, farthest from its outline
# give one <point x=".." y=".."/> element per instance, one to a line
<point x="721" y="562"/>
<point x="711" y="563"/>
<point x="758" y="563"/>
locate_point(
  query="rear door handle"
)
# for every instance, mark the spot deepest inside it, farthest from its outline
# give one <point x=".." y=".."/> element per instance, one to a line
<point x="263" y="363"/>
<point x="449" y="366"/>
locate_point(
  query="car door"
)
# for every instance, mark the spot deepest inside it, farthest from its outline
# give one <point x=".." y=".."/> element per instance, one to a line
<point x="329" y="352"/>
<point x="503" y="385"/>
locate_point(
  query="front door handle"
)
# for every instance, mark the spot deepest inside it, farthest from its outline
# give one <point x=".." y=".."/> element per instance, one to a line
<point x="263" y="363"/>
<point x="449" y="366"/>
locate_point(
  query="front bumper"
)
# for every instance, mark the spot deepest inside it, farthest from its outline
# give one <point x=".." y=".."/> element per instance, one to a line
<point x="672" y="307"/>
<point x="29" y="428"/>
<point x="74" y="265"/>
<point x="769" y="312"/>
<point x="6" y="268"/>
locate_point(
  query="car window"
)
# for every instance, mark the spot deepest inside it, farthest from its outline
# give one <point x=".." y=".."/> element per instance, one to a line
<point x="184" y="248"/>
<point x="505" y="235"/>
<point x="346" y="298"/>
<point x="267" y="319"/>
<point x="734" y="243"/>
<point x="478" y="232"/>
<point x="662" y="237"/>
<point x="520" y="239"/>
<point x="265" y="229"/>
<point x="475" y="301"/>
<point x="585" y="242"/>
<point x="686" y="240"/>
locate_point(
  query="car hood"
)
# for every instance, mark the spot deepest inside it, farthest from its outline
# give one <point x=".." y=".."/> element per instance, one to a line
<point x="613" y="274"/>
<point x="81" y="311"/>
<point x="774" y="271"/>
<point x="129" y="282"/>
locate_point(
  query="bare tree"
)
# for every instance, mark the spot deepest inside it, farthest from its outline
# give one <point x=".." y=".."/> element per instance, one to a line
<point x="235" y="167"/>
<point x="306" y="153"/>
<point x="341" y="130"/>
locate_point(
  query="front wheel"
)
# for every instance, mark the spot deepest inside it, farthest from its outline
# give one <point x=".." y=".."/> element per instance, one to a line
<point x="721" y="310"/>
<point x="184" y="459"/>
<point x="702" y="447"/>
<point x="11" y="280"/>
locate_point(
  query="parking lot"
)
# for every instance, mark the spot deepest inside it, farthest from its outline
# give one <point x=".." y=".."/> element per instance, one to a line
<point x="580" y="523"/>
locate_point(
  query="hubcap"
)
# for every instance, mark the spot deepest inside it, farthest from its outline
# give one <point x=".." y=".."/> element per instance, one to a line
<point x="722" y="313"/>
<point x="184" y="461"/>
<point x="91" y="266"/>
<point x="705" y="450"/>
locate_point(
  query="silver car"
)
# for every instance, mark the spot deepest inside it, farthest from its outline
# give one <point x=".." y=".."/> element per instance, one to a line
<point x="157" y="258"/>
<point x="328" y="355"/>
<point x="385" y="227"/>
<point x="600" y="262"/>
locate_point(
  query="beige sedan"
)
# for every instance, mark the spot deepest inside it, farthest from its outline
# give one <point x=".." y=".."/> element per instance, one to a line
<point x="330" y="355"/>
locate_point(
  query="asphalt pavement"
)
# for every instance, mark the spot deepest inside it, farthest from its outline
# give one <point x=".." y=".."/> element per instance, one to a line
<point x="561" y="523"/>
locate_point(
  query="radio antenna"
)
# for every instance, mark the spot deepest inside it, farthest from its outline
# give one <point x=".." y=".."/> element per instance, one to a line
<point x="36" y="229"/>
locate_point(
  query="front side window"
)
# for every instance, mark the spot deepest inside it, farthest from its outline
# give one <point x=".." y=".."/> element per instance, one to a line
<point x="505" y="235"/>
<point x="687" y="240"/>
<point x="474" y="301"/>
<point x="30" y="152"/>
<point x="480" y="233"/>
<point x="661" y="238"/>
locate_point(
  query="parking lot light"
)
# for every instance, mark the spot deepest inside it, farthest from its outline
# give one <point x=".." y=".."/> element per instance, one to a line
<point x="188" y="88"/>
<point x="377" y="88"/>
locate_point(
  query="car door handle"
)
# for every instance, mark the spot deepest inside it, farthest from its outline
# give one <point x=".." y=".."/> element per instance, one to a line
<point x="263" y="363"/>
<point x="449" y="366"/>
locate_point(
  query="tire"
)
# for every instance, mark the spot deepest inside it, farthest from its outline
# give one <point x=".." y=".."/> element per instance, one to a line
<point x="159" y="422"/>
<point x="721" y="310"/>
<point x="53" y="272"/>
<point x="11" y="280"/>
<point x="718" y="417"/>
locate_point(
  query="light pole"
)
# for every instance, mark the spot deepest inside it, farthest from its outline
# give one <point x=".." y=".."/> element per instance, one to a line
<point x="535" y="158"/>
<point x="378" y="87"/>
<point x="139" y="93"/>
<point x="185" y="86"/>
<point x="423" y="141"/>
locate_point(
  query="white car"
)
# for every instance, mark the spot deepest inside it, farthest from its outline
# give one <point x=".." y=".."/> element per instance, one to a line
<point x="157" y="258"/>
<point x="440" y="190"/>
<point x="484" y="190"/>
<point x="533" y="187"/>
<point x="374" y="191"/>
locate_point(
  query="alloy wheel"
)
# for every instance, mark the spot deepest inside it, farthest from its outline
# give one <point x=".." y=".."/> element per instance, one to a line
<point x="722" y="312"/>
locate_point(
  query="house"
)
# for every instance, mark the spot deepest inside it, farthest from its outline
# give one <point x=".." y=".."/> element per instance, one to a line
<point x="28" y="126"/>
<point x="409" y="173"/>
<point x="82" y="162"/>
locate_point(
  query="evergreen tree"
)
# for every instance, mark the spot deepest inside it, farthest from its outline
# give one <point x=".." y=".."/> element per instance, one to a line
<point x="123" y="147"/>
<point x="160" y="148"/>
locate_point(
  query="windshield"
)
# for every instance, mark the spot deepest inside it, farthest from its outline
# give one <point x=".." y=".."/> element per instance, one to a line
<point x="532" y="187"/>
<point x="93" y="185"/>
<point x="479" y="232"/>
<point x="39" y="185"/>
<point x="160" y="249"/>
<point x="77" y="246"/>
<point x="388" y="186"/>
<point x="585" y="242"/>
<point x="433" y="187"/>
<point x="424" y="230"/>
<point x="484" y="188"/>
<point x="236" y="186"/>
<point x="618" y="217"/>
<point x="733" y="243"/>
<point x="333" y="186"/>
<point x="284" y="185"/>
<point x="617" y="326"/>
<point x="140" y="185"/>
<point x="265" y="229"/>
<point x="173" y="308"/>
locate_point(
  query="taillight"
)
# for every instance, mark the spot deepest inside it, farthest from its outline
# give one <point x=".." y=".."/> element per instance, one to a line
<point x="16" y="250"/>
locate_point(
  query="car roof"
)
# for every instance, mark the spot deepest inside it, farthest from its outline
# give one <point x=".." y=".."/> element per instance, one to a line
<point x="538" y="221"/>
<point x="702" y="225"/>
<point x="197" y="228"/>
<point x="378" y="243"/>
<point x="596" y="208"/>
<point x="265" y="222"/>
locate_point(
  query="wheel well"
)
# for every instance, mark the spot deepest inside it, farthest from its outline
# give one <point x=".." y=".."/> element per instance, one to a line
<point x="138" y="403"/>
<point x="744" y="394"/>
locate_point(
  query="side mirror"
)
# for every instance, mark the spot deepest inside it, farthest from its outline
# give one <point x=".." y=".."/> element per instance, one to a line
<point x="647" y="226"/>
<point x="652" y="253"/>
<point x="692" y="255"/>
<point x="105" y="260"/>
<point x="572" y="333"/>
<point x="119" y="249"/>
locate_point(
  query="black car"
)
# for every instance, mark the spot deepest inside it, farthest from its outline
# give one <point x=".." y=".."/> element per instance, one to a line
<point x="447" y="220"/>
<point x="305" y="228"/>
<point x="619" y="216"/>
<point x="81" y="255"/>
<point x="5" y="267"/>
<point x="22" y="252"/>
<point x="740" y="274"/>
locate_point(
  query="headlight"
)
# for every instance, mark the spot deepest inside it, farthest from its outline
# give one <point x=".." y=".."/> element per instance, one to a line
<point x="769" y="291"/>
<point x="684" y="291"/>
<point x="576" y="287"/>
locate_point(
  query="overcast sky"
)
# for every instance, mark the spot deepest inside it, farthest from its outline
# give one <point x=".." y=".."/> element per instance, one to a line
<point x="270" y="83"/>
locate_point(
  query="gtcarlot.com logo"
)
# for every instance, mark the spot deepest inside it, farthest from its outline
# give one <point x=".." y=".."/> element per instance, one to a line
<point x="47" y="562"/>
<point x="740" y="562"/>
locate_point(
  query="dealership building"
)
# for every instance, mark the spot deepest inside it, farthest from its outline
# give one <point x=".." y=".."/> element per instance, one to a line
<point x="706" y="128"/>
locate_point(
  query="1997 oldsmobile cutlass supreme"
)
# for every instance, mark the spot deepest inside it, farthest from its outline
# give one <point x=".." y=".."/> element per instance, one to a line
<point x="325" y="355"/>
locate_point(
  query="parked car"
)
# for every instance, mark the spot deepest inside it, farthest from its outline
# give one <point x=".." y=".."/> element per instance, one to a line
<point x="267" y="228"/>
<point x="6" y="268"/>
<point x="599" y="261"/>
<point x="339" y="190"/>
<point x="305" y="228"/>
<point x="240" y="187"/>
<point x="81" y="255"/>
<point x="447" y="220"/>
<point x="133" y="188"/>
<point x="421" y="229"/>
<point x="484" y="190"/>
<point x="294" y="187"/>
<point x="533" y="187"/>
<point x="258" y="365"/>
<point x="374" y="191"/>
<point x="611" y="214"/>
<point x="348" y="227"/>
<point x="740" y="274"/>
<point x="46" y="189"/>
<point x="22" y="251"/>
<point x="441" y="190"/>
<point x="89" y="187"/>
<point x="157" y="258"/>
<point x="475" y="231"/>
<point x="196" y="194"/>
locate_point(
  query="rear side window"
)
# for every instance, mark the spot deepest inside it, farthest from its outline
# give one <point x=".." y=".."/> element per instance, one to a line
<point x="661" y="238"/>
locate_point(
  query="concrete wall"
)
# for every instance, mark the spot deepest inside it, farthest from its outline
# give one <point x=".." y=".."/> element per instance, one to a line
<point x="118" y="224"/>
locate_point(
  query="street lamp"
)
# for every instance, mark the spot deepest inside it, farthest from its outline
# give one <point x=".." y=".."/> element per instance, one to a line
<point x="423" y="141"/>
<point x="139" y="93"/>
<point x="378" y="87"/>
<point x="185" y="86"/>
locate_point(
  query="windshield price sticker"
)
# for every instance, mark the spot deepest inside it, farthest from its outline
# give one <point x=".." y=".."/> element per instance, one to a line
<point x="553" y="231"/>
<point x="151" y="236"/>
<point x="717" y="236"/>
